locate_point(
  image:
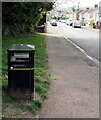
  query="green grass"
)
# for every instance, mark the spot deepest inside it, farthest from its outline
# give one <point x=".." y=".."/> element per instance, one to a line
<point x="42" y="77"/>
<point x="34" y="107"/>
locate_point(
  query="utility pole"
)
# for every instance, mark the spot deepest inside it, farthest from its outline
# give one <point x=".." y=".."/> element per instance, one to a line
<point x="78" y="5"/>
<point x="77" y="14"/>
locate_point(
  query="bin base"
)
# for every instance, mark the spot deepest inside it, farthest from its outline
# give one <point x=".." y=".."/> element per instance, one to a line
<point x="19" y="95"/>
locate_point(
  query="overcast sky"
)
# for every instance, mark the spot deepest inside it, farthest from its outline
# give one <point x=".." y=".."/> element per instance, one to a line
<point x="88" y="2"/>
<point x="83" y="3"/>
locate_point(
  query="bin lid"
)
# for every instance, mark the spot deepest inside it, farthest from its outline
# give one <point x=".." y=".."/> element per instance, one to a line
<point x="22" y="47"/>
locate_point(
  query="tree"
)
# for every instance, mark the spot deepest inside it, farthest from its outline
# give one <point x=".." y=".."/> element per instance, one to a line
<point x="18" y="17"/>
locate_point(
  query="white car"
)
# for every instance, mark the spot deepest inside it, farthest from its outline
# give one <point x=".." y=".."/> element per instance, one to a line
<point x="67" y="22"/>
<point x="70" y="23"/>
<point x="77" y="23"/>
<point x="53" y="22"/>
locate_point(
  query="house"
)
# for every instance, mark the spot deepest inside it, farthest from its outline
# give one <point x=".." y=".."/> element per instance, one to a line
<point x="83" y="16"/>
<point x="90" y="15"/>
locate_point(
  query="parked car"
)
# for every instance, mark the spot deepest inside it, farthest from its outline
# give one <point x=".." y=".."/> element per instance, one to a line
<point x="77" y="24"/>
<point x="67" y="22"/>
<point x="63" y="21"/>
<point x="60" y="20"/>
<point x="70" y="23"/>
<point x="53" y="22"/>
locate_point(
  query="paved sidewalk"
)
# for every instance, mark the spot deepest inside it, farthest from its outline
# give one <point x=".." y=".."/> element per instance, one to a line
<point x="91" y="29"/>
<point x="76" y="92"/>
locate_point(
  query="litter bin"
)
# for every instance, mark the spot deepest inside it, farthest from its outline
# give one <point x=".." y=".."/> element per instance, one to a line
<point x="21" y="71"/>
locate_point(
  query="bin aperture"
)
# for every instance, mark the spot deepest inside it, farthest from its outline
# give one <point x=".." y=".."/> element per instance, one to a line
<point x="21" y="71"/>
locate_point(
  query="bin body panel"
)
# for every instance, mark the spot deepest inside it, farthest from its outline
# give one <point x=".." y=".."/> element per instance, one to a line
<point x="22" y="80"/>
<point x="21" y="71"/>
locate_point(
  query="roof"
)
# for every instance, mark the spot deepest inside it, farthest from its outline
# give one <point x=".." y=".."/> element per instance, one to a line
<point x="89" y="10"/>
<point x="93" y="9"/>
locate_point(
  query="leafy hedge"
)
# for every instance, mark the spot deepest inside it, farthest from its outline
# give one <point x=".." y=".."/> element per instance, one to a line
<point x="18" y="17"/>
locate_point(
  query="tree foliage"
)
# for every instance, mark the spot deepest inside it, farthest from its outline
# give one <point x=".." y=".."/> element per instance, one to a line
<point x="19" y="16"/>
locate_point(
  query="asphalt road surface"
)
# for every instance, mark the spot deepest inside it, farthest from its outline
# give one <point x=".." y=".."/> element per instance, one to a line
<point x="87" y="39"/>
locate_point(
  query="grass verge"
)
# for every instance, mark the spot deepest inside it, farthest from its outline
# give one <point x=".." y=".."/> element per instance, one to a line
<point x="12" y="107"/>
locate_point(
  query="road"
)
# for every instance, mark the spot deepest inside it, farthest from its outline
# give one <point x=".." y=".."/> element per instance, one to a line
<point x="88" y="40"/>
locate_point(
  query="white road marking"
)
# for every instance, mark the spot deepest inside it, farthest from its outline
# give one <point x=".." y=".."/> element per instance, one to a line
<point x="94" y="60"/>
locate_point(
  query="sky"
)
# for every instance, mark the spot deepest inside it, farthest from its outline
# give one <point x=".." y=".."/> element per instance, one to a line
<point x="88" y="3"/>
<point x="83" y="3"/>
